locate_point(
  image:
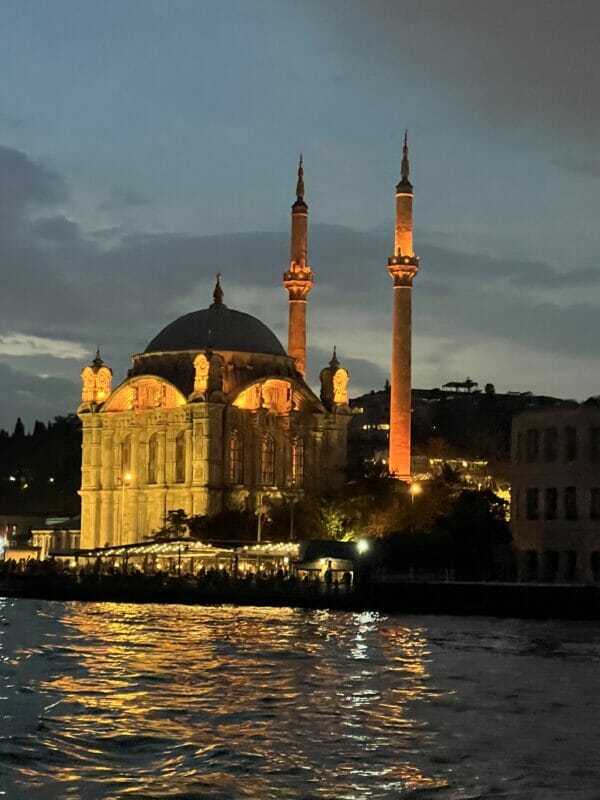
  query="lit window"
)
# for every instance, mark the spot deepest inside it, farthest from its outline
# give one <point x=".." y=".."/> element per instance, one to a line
<point x="267" y="460"/>
<point x="235" y="458"/>
<point x="126" y="455"/>
<point x="298" y="462"/>
<point x="153" y="459"/>
<point x="180" y="457"/>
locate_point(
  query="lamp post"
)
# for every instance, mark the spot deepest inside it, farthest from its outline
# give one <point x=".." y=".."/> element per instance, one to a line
<point x="125" y="481"/>
<point x="414" y="489"/>
<point x="260" y="511"/>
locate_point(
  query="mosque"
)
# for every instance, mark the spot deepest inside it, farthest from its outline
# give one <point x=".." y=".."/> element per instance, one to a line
<point x="216" y="414"/>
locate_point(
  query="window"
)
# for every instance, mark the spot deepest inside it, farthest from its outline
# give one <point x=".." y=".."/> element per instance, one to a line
<point x="297" y="462"/>
<point x="180" y="457"/>
<point x="532" y="500"/>
<point x="570" y="502"/>
<point x="153" y="458"/>
<point x="533" y="444"/>
<point x="550" y="444"/>
<point x="550" y="503"/>
<point x="267" y="460"/>
<point x="235" y="458"/>
<point x="519" y="447"/>
<point x="595" y="444"/>
<point x="595" y="503"/>
<point x="570" y="443"/>
<point x="125" y="456"/>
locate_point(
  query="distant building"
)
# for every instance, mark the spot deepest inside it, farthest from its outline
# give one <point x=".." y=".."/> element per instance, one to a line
<point x="555" y="515"/>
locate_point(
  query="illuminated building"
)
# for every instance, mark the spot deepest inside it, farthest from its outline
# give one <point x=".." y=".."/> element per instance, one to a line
<point x="402" y="266"/>
<point x="214" y="414"/>
<point x="555" y="516"/>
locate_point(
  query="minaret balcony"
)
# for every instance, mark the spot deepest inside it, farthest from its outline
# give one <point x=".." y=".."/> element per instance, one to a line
<point x="298" y="282"/>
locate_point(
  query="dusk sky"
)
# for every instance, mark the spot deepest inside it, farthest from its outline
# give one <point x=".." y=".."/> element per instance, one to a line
<point x="146" y="145"/>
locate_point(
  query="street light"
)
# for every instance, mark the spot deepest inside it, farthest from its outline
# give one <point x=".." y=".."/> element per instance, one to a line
<point x="414" y="489"/>
<point x="125" y="481"/>
<point x="260" y="510"/>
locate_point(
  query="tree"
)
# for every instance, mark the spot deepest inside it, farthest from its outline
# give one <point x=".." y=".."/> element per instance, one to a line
<point x="19" y="431"/>
<point x="479" y="529"/>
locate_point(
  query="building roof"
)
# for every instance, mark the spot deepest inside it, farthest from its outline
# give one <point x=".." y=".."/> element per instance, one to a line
<point x="217" y="328"/>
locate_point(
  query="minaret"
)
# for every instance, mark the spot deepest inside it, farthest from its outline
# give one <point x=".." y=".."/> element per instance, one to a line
<point x="403" y="266"/>
<point x="298" y="280"/>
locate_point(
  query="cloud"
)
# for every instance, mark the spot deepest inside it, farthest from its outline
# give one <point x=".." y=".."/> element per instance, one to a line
<point x="67" y="290"/>
<point x="521" y="66"/>
<point x="579" y="165"/>
<point x="120" y="199"/>
<point x="19" y="344"/>
<point x="33" y="397"/>
<point x="26" y="184"/>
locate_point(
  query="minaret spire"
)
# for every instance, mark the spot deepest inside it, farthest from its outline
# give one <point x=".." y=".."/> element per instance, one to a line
<point x="300" y="183"/>
<point x="298" y="279"/>
<point x="405" y="168"/>
<point x="402" y="267"/>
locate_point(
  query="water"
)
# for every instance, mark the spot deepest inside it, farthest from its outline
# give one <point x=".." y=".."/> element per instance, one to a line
<point x="125" y="701"/>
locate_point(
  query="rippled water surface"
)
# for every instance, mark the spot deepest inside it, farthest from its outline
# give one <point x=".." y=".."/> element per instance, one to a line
<point x="118" y="701"/>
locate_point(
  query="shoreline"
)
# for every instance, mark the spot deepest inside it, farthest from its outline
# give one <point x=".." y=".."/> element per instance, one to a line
<point x="515" y="600"/>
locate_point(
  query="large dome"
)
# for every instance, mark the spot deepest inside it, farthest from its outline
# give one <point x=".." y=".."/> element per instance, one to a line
<point x="218" y="328"/>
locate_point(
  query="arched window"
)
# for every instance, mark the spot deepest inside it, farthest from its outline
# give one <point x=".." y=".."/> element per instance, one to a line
<point x="125" y="457"/>
<point x="267" y="460"/>
<point x="235" y="458"/>
<point x="180" y="457"/>
<point x="153" y="458"/>
<point x="297" y="462"/>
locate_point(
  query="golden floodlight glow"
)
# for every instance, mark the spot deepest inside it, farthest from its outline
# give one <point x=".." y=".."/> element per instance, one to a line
<point x="415" y="488"/>
<point x="362" y="546"/>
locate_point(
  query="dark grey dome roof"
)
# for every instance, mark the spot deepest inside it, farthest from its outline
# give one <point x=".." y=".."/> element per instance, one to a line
<point x="219" y="328"/>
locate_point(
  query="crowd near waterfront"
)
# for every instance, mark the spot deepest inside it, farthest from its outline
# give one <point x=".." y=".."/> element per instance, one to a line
<point x="107" y="701"/>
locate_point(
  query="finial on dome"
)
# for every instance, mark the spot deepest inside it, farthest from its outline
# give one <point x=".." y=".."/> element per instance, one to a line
<point x="218" y="293"/>
<point x="97" y="362"/>
<point x="334" y="363"/>
<point x="300" y="184"/>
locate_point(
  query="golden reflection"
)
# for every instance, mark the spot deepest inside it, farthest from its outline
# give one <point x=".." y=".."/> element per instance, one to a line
<point x="140" y="697"/>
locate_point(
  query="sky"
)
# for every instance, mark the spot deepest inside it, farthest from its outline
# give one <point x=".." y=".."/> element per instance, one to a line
<point x="146" y="145"/>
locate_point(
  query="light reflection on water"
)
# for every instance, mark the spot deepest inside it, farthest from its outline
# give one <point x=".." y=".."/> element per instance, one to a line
<point x="116" y="701"/>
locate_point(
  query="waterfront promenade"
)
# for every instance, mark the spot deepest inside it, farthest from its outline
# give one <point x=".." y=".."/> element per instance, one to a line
<point x="530" y="601"/>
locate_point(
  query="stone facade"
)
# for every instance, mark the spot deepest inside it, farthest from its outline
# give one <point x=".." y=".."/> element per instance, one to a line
<point x="555" y="506"/>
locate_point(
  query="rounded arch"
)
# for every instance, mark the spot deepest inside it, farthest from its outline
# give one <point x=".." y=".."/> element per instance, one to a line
<point x="143" y="392"/>
<point x="276" y="393"/>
